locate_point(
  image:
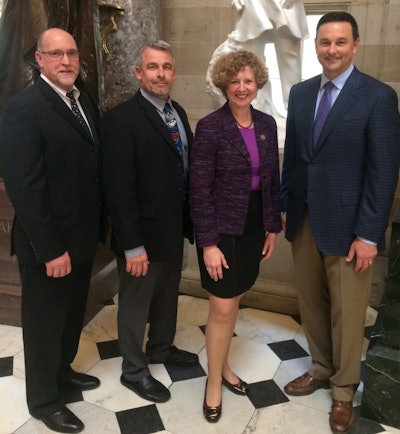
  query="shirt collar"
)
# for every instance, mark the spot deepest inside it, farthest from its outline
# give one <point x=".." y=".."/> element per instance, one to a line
<point x="157" y="102"/>
<point x="60" y="91"/>
<point x="340" y="80"/>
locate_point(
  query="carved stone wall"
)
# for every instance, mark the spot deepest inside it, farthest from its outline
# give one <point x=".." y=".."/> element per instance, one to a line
<point x="196" y="28"/>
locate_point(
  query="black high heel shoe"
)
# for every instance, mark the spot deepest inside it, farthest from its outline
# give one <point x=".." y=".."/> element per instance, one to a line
<point x="211" y="414"/>
<point x="240" y="388"/>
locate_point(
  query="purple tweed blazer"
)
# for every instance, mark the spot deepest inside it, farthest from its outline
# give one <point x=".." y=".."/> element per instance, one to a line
<point x="220" y="176"/>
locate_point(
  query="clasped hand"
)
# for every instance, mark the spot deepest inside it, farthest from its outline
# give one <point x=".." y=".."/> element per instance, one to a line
<point x="59" y="267"/>
<point x="138" y="265"/>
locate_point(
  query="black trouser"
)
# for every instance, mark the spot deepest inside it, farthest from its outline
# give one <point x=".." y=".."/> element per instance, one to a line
<point x="52" y="315"/>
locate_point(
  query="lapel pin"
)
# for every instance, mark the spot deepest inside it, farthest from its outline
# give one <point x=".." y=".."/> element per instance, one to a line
<point x="262" y="137"/>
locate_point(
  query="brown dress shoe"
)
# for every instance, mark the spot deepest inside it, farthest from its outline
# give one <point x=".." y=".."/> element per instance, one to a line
<point x="305" y="385"/>
<point x="342" y="416"/>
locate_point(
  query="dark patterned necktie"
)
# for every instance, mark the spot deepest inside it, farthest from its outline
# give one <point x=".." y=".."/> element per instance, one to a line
<point x="323" y="110"/>
<point x="173" y="127"/>
<point x="77" y="112"/>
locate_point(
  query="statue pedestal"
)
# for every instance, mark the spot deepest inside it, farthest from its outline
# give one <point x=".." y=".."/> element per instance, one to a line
<point x="10" y="286"/>
<point x="381" y="396"/>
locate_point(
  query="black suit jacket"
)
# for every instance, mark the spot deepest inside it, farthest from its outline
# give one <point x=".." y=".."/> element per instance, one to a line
<point x="50" y="169"/>
<point x="143" y="179"/>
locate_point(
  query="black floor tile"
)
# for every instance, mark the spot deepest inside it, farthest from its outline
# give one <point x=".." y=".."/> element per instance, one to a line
<point x="142" y="420"/>
<point x="287" y="350"/>
<point x="179" y="373"/>
<point x="6" y="366"/>
<point x="108" y="349"/>
<point x="265" y="394"/>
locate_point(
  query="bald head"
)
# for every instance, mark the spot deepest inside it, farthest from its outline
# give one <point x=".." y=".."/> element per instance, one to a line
<point x="58" y="57"/>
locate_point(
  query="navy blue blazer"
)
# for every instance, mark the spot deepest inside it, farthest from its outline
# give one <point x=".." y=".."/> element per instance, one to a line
<point x="220" y="176"/>
<point x="348" y="180"/>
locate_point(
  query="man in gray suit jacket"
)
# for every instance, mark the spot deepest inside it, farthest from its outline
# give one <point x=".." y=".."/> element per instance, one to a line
<point x="145" y="178"/>
<point x="50" y="167"/>
<point x="337" y="192"/>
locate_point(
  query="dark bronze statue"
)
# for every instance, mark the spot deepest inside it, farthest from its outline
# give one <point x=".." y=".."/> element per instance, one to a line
<point x="23" y="21"/>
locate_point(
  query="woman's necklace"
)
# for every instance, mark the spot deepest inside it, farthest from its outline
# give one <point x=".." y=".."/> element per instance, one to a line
<point x="248" y="126"/>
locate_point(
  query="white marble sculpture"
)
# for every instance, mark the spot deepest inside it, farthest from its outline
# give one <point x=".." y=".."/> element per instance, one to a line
<point x="282" y="22"/>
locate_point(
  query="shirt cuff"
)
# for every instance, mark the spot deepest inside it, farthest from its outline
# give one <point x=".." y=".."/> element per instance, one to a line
<point x="367" y="241"/>
<point x="132" y="253"/>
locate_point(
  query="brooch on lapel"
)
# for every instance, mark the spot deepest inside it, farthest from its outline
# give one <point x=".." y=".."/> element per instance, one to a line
<point x="262" y="137"/>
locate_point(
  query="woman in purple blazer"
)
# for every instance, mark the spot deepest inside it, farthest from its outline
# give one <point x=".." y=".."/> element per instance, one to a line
<point x="235" y="206"/>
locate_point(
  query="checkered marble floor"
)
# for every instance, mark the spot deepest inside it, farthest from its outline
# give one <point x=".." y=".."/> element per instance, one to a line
<point x="268" y="350"/>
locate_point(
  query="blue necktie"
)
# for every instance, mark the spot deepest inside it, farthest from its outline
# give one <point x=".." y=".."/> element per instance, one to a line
<point x="323" y="110"/>
<point x="173" y="127"/>
<point x="77" y="112"/>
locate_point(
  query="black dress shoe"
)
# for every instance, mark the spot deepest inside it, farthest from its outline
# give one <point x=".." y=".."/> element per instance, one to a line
<point x="240" y="388"/>
<point x="177" y="357"/>
<point x="64" y="421"/>
<point x="80" y="381"/>
<point x="148" y="388"/>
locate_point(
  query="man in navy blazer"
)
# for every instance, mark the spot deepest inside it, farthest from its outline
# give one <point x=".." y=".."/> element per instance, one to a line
<point x="337" y="192"/>
<point x="145" y="178"/>
<point x="50" y="167"/>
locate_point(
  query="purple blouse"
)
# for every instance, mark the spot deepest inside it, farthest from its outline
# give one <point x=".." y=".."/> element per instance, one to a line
<point x="249" y="138"/>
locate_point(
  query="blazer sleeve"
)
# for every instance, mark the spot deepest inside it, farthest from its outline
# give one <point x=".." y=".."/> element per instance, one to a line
<point x="382" y="165"/>
<point x="119" y="177"/>
<point x="202" y="172"/>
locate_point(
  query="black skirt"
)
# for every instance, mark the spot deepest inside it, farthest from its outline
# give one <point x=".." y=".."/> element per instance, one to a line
<point x="242" y="253"/>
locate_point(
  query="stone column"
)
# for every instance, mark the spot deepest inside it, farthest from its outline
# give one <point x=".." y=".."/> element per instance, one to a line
<point x="381" y="396"/>
<point x="137" y="22"/>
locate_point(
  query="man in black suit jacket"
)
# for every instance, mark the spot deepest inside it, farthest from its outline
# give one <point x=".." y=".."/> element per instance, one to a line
<point x="50" y="168"/>
<point x="337" y="191"/>
<point x="145" y="178"/>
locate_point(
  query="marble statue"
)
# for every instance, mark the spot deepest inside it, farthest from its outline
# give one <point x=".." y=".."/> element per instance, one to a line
<point x="282" y="22"/>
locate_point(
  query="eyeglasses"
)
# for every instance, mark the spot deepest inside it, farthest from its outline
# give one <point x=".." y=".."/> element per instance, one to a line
<point x="58" y="54"/>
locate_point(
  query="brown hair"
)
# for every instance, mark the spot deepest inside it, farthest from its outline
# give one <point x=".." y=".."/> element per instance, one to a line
<point x="229" y="65"/>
